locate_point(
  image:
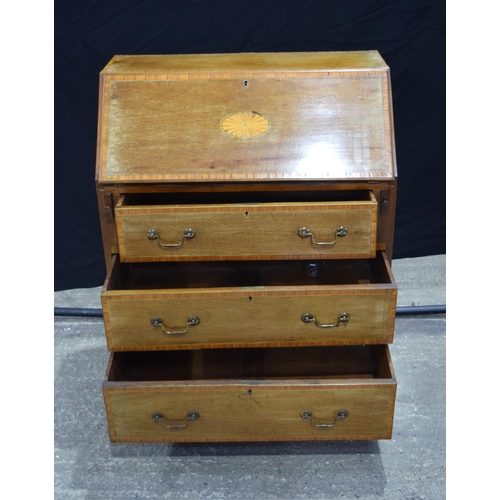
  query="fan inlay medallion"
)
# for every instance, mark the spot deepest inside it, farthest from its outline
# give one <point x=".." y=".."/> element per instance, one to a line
<point x="245" y="125"/>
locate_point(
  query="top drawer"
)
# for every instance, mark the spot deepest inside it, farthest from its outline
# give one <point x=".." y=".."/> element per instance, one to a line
<point x="151" y="230"/>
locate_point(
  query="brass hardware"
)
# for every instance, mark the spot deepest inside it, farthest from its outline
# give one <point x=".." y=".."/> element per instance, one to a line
<point x="340" y="232"/>
<point x="318" y="424"/>
<point x="192" y="321"/>
<point x="341" y="320"/>
<point x="108" y="207"/>
<point x="384" y="201"/>
<point x="188" y="235"/>
<point x="314" y="269"/>
<point x="175" y="425"/>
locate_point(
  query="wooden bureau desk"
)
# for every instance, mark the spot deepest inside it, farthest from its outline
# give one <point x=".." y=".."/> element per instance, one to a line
<point x="247" y="208"/>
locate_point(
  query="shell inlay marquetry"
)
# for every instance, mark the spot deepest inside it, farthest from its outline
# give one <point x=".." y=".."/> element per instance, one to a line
<point x="245" y="125"/>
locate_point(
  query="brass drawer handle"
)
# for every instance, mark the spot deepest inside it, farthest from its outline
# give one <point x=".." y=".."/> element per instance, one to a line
<point x="192" y="321"/>
<point x="319" y="424"/>
<point x="340" y="232"/>
<point x="188" y="235"/>
<point x="175" y="425"/>
<point x="342" y="320"/>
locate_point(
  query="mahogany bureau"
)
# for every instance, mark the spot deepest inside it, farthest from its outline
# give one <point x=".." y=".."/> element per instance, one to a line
<point x="247" y="208"/>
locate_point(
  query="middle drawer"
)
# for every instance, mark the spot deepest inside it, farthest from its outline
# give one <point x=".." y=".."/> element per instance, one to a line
<point x="248" y="304"/>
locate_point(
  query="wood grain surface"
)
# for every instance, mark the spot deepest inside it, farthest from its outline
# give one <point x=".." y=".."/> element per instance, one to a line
<point x="256" y="231"/>
<point x="329" y="119"/>
<point x="248" y="316"/>
<point x="185" y="64"/>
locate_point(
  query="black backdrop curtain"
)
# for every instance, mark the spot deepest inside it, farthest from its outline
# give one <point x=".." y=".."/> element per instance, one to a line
<point x="409" y="34"/>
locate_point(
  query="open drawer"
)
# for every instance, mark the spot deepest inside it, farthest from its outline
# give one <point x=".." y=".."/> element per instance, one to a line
<point x="168" y="227"/>
<point x="249" y="304"/>
<point x="304" y="393"/>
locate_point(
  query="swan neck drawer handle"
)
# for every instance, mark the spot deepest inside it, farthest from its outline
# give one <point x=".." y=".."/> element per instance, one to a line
<point x="188" y="234"/>
<point x="175" y="425"/>
<point x="322" y="424"/>
<point x="340" y="232"/>
<point x="341" y="320"/>
<point x="192" y="321"/>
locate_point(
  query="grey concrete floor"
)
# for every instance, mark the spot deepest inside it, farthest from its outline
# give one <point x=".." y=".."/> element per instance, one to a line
<point x="410" y="466"/>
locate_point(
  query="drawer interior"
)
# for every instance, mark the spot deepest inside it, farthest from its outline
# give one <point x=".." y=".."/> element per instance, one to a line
<point x="171" y="275"/>
<point x="343" y="362"/>
<point x="154" y="199"/>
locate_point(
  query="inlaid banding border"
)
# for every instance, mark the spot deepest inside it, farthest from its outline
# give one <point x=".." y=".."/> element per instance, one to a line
<point x="107" y="79"/>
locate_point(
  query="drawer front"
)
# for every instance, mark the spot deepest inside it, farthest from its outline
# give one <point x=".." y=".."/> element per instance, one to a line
<point x="219" y="412"/>
<point x="249" y="231"/>
<point x="282" y="316"/>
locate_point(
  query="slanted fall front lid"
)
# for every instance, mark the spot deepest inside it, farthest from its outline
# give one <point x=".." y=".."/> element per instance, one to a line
<point x="237" y="117"/>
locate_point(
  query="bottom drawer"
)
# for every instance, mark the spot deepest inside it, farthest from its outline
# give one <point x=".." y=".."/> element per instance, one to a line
<point x="303" y="393"/>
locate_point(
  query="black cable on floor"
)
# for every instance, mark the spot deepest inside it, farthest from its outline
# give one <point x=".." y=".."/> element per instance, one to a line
<point x="97" y="313"/>
<point x="77" y="312"/>
<point x="415" y="310"/>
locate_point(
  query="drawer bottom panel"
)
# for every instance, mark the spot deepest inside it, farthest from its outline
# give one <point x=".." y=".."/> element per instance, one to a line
<point x="299" y="399"/>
